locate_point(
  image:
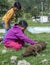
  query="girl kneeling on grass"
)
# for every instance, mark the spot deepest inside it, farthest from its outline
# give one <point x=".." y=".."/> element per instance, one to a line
<point x="15" y="37"/>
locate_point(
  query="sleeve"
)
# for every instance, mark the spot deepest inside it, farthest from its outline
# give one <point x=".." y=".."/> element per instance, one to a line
<point x="23" y="37"/>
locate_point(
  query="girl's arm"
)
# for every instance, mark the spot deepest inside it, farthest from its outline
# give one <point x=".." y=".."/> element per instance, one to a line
<point x="25" y="38"/>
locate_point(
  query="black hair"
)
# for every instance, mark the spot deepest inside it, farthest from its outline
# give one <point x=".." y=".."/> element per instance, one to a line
<point x="18" y="5"/>
<point x="23" y="23"/>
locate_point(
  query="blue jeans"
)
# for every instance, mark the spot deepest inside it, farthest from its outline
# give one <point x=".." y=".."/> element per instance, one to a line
<point x="3" y="24"/>
<point x="9" y="26"/>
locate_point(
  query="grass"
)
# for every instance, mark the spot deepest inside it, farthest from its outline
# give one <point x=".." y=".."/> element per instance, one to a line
<point x="32" y="60"/>
<point x="31" y="23"/>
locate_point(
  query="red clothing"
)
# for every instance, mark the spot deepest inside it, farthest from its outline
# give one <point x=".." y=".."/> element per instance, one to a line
<point x="13" y="45"/>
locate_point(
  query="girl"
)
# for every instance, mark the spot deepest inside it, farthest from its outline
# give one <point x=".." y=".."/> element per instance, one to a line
<point x="15" y="37"/>
<point x="9" y="15"/>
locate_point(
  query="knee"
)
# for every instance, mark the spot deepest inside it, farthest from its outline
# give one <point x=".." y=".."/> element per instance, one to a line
<point x="18" y="47"/>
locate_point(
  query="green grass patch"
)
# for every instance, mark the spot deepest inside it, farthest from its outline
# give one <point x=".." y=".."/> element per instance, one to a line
<point x="31" y="23"/>
<point x="33" y="60"/>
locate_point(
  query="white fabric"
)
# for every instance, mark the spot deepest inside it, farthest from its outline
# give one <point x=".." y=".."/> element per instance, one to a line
<point x="2" y="30"/>
<point x="39" y="29"/>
